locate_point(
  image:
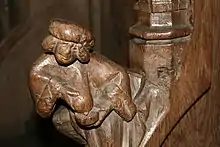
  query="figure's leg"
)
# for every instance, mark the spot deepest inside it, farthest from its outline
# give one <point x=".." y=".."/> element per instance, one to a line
<point x="62" y="122"/>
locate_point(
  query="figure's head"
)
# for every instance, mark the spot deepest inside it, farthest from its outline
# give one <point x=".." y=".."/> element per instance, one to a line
<point x="68" y="42"/>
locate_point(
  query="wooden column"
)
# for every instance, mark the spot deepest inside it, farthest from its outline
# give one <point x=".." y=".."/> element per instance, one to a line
<point x="192" y="116"/>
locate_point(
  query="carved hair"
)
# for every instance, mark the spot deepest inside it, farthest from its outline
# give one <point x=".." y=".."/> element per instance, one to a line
<point x="49" y="43"/>
<point x="69" y="32"/>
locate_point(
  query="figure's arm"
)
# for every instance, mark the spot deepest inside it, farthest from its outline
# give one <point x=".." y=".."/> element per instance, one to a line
<point x="47" y="84"/>
<point x="122" y="101"/>
<point x="113" y="95"/>
<point x="43" y="94"/>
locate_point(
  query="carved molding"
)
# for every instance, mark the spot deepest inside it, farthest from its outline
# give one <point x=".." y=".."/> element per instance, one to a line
<point x="162" y="19"/>
<point x="162" y="31"/>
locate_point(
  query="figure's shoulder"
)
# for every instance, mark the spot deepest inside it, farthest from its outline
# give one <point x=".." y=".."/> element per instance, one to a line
<point x="43" y="60"/>
<point x="97" y="57"/>
<point x="101" y="60"/>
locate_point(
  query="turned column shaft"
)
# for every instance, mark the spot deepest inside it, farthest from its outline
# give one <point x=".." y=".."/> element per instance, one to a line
<point x="162" y="29"/>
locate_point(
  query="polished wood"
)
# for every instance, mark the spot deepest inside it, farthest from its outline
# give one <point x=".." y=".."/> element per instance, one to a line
<point x="154" y="36"/>
<point x="199" y="125"/>
<point x="189" y="123"/>
<point x="103" y="99"/>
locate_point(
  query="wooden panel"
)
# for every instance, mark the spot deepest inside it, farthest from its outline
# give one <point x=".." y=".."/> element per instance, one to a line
<point x="73" y="10"/>
<point x="192" y="82"/>
<point x="18" y="11"/>
<point x="95" y="22"/>
<point x="117" y="17"/>
<point x="200" y="125"/>
<point x="4" y="19"/>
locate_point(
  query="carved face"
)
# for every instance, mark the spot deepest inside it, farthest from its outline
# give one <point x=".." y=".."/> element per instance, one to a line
<point x="67" y="52"/>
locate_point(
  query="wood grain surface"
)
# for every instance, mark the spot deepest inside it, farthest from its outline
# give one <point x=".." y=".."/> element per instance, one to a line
<point x="193" y="118"/>
<point x="199" y="127"/>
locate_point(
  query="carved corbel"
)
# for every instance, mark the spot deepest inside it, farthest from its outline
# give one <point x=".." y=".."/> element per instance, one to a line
<point x="106" y="104"/>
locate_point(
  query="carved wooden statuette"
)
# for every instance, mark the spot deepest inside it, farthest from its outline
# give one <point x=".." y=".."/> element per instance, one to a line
<point x="104" y="103"/>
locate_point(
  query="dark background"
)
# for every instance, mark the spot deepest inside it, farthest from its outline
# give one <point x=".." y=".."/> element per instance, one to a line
<point x="23" y="25"/>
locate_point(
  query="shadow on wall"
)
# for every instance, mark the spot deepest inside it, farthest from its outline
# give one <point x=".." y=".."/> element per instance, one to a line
<point x="16" y="104"/>
<point x="39" y="133"/>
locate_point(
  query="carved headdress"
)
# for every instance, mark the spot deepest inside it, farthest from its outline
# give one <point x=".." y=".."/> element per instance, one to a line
<point x="67" y="31"/>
